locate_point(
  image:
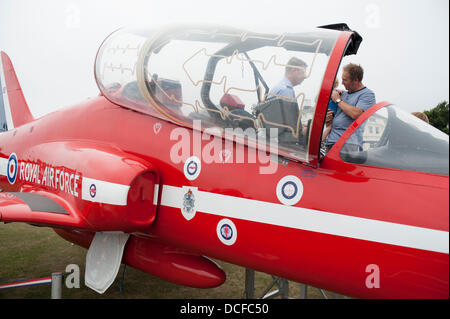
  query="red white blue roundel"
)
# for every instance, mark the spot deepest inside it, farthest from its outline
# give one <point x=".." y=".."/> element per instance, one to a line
<point x="192" y="168"/>
<point x="93" y="190"/>
<point x="12" y="168"/>
<point x="227" y="232"/>
<point x="289" y="190"/>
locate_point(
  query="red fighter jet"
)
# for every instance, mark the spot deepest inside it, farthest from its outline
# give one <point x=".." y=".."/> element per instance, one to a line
<point x="187" y="154"/>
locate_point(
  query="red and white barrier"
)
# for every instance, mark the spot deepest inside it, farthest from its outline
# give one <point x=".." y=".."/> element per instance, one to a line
<point x="25" y="283"/>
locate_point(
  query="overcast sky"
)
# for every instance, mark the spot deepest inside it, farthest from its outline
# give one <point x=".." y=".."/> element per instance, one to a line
<point x="405" y="51"/>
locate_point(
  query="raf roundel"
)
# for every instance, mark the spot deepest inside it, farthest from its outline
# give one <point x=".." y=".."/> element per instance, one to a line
<point x="289" y="190"/>
<point x="226" y="232"/>
<point x="93" y="190"/>
<point x="12" y="168"/>
<point x="192" y="168"/>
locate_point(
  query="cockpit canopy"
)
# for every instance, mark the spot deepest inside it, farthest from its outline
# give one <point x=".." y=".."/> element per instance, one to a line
<point x="394" y="138"/>
<point x="220" y="78"/>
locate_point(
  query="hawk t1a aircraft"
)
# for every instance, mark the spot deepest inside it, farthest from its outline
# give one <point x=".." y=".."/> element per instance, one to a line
<point x="187" y="155"/>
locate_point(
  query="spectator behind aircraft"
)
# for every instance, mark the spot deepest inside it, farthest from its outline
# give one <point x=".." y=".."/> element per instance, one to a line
<point x="421" y="116"/>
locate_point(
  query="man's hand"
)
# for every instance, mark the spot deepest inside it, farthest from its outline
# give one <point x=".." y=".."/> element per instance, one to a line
<point x="335" y="95"/>
<point x="329" y="118"/>
<point x="304" y="130"/>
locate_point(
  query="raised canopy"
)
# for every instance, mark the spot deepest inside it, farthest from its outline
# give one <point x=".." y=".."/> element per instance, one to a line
<point x="222" y="77"/>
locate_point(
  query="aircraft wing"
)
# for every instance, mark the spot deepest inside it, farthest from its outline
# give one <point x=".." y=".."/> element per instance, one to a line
<point x="47" y="209"/>
<point x="39" y="208"/>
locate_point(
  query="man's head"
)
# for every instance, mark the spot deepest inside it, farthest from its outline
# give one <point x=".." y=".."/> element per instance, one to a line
<point x="296" y="71"/>
<point x="352" y="77"/>
<point x="421" y="116"/>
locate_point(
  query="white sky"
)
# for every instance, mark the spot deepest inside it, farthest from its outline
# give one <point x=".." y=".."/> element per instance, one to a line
<point x="53" y="43"/>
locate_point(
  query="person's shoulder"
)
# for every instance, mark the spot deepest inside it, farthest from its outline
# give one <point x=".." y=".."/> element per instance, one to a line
<point x="366" y="90"/>
<point x="368" y="93"/>
<point x="283" y="88"/>
<point x="367" y="98"/>
<point x="364" y="93"/>
<point x="280" y="85"/>
<point x="275" y="89"/>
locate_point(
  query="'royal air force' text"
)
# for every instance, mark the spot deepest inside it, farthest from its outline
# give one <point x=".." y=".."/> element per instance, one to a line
<point x="60" y="178"/>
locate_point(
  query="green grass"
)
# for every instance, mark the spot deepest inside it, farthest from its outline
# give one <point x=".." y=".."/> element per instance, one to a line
<point x="29" y="252"/>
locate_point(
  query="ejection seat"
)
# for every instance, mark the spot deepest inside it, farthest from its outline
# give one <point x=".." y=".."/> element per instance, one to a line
<point x="239" y="117"/>
<point x="283" y="115"/>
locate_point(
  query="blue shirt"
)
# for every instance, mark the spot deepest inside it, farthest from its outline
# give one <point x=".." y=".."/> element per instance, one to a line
<point x="362" y="99"/>
<point x="332" y="106"/>
<point x="283" y="88"/>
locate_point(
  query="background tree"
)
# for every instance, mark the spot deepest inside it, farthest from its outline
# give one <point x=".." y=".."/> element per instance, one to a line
<point x="438" y="116"/>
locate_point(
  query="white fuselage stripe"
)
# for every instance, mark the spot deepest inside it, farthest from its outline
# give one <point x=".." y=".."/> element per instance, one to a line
<point x="4" y="92"/>
<point x="311" y="220"/>
<point x="98" y="191"/>
<point x="276" y="214"/>
<point x="3" y="166"/>
<point x="105" y="192"/>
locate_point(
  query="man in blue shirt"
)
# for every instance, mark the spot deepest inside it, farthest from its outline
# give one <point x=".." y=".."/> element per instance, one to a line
<point x="294" y="75"/>
<point x="351" y="104"/>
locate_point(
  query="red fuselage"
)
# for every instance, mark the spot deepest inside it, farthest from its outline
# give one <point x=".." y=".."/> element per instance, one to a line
<point x="344" y="226"/>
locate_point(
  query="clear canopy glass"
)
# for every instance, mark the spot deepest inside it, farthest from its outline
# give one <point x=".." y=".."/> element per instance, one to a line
<point x="396" y="139"/>
<point x="220" y="80"/>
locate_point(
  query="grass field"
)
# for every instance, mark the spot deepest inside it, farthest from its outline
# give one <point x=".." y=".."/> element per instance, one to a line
<point x="29" y="252"/>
